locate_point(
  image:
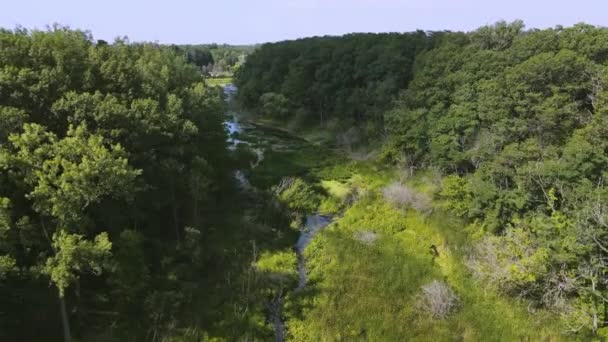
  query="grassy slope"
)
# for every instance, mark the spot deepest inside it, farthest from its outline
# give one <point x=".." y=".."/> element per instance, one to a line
<point x="361" y="291"/>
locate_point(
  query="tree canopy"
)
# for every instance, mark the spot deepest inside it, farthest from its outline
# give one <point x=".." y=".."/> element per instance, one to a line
<point x="99" y="146"/>
<point x="515" y="119"/>
<point x="351" y="78"/>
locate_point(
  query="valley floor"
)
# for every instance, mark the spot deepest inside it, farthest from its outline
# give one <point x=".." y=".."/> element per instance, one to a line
<point x="366" y="270"/>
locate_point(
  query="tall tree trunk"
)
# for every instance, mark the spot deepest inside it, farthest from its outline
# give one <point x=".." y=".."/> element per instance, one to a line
<point x="77" y="305"/>
<point x="321" y="112"/>
<point x="65" y="321"/>
<point x="595" y="319"/>
<point x="195" y="196"/>
<point x="605" y="322"/>
<point x="176" y="224"/>
<point x="195" y="218"/>
<point x="175" y="216"/>
<point x="321" y="117"/>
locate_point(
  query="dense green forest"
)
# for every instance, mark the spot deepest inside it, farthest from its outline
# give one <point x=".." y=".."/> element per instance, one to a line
<point x="352" y="78"/>
<point x="511" y="121"/>
<point x="516" y="119"/>
<point x="119" y="216"/>
<point x="428" y="186"/>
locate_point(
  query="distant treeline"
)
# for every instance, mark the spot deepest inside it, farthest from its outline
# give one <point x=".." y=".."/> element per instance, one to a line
<point x="215" y="59"/>
<point x="353" y="78"/>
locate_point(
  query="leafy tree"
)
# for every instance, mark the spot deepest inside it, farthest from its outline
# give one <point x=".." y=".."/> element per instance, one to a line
<point x="274" y="105"/>
<point x="106" y="150"/>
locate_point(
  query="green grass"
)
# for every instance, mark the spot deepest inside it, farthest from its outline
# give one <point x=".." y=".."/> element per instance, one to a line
<point x="335" y="188"/>
<point x="366" y="291"/>
<point x="361" y="291"/>
<point x="287" y="155"/>
<point x="220" y="81"/>
<point x="297" y="162"/>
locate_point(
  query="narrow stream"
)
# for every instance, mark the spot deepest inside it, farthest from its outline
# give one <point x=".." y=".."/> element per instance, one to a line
<point x="312" y="224"/>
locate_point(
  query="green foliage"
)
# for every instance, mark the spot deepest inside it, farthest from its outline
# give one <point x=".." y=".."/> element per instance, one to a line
<point x="375" y="215"/>
<point x="11" y="120"/>
<point x="218" y="81"/>
<point x="513" y="118"/>
<point x="130" y="274"/>
<point x="458" y="197"/>
<point x="338" y="196"/>
<point x="515" y="122"/>
<point x="5" y="215"/>
<point x="125" y="142"/>
<point x="335" y="188"/>
<point x="215" y="59"/>
<point x="274" y="105"/>
<point x="70" y="174"/>
<point x="353" y="78"/>
<point x="330" y="205"/>
<point x="74" y="254"/>
<point x="300" y="196"/>
<point x="368" y="289"/>
<point x="199" y="57"/>
<point x="278" y="269"/>
<point x="499" y="36"/>
<point x="7" y="265"/>
<point x="98" y="140"/>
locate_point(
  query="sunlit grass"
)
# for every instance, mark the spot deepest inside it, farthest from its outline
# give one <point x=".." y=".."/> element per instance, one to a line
<point x="362" y="290"/>
<point x="366" y="289"/>
<point x="220" y="81"/>
<point x="335" y="188"/>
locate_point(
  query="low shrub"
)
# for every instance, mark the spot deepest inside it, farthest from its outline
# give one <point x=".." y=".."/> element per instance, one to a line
<point x="298" y="195"/>
<point x="402" y="196"/>
<point x="278" y="269"/>
<point x="437" y="299"/>
<point x="366" y="237"/>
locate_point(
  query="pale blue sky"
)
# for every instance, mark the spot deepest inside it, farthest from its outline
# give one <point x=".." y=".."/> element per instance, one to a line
<point x="253" y="21"/>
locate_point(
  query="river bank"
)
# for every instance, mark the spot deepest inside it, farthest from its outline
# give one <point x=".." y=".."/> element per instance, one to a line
<point x="276" y="142"/>
<point x="360" y="277"/>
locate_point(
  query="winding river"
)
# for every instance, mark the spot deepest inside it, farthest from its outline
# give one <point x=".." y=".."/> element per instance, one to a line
<point x="264" y="138"/>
